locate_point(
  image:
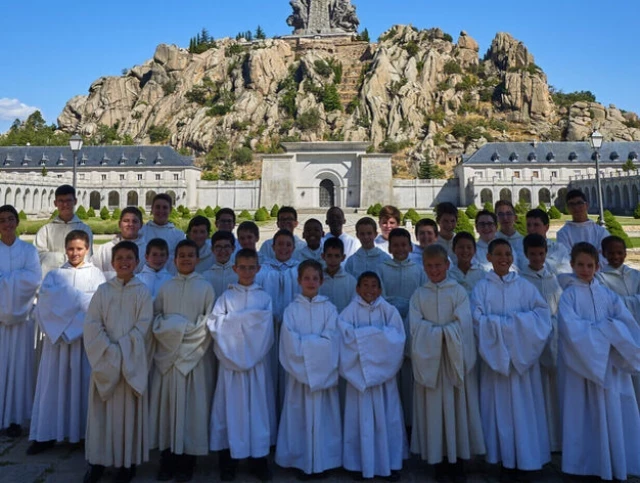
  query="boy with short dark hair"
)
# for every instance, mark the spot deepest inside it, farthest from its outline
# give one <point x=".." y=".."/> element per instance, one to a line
<point x="49" y="239"/>
<point x="287" y="220"/>
<point x="335" y="221"/>
<point x="580" y="228"/>
<point x="198" y="230"/>
<point x="161" y="227"/>
<point x="226" y="221"/>
<point x="486" y="223"/>
<point x="248" y="235"/>
<point x="507" y="217"/>
<point x="337" y="284"/>
<point x="447" y="220"/>
<point x="221" y="274"/>
<point x="426" y="231"/>
<point x="466" y="271"/>
<point x="154" y="272"/>
<point x="388" y="219"/>
<point x="368" y="257"/>
<point x="557" y="258"/>
<point x="312" y="234"/>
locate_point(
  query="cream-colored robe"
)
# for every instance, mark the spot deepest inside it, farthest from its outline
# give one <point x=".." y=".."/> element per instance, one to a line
<point x="183" y="374"/>
<point x="220" y="276"/>
<point x="49" y="242"/>
<point x="102" y="257"/>
<point x="117" y="339"/>
<point x="446" y="416"/>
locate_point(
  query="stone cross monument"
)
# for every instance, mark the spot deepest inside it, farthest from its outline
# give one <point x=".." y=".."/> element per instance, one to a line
<point x="317" y="17"/>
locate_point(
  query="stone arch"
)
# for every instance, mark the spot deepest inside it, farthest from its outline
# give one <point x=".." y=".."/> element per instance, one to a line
<point x="328" y="189"/>
<point x="27" y="201"/>
<point x="635" y="199"/>
<point x="43" y="200"/>
<point x="132" y="198"/>
<point x="8" y="200"/>
<point x="149" y="199"/>
<point x="17" y="200"/>
<point x="486" y="196"/>
<point x="327" y="194"/>
<point x="626" y="199"/>
<point x="608" y="199"/>
<point x="594" y="197"/>
<point x="524" y="196"/>
<point x="560" y="201"/>
<point x="617" y="199"/>
<point x="505" y="194"/>
<point x="172" y="194"/>
<point x="36" y="200"/>
<point x="544" y="196"/>
<point x="113" y="200"/>
<point x="94" y="200"/>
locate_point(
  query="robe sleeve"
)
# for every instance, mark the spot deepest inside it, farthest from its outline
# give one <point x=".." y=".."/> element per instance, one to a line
<point x="370" y="356"/>
<point x="133" y="346"/>
<point x="18" y="288"/>
<point x="168" y="332"/>
<point x="623" y="332"/>
<point x="312" y="359"/>
<point x="487" y="327"/>
<point x="59" y="305"/>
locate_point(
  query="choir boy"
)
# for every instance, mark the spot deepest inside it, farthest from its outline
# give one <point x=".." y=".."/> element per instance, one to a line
<point x="388" y="219"/>
<point x="557" y="259"/>
<point x="221" y="274"/>
<point x="507" y="217"/>
<point x="161" y="227"/>
<point x="466" y="271"/>
<point x="335" y="221"/>
<point x="199" y="230"/>
<point x="312" y="234"/>
<point x="426" y="231"/>
<point x="337" y="284"/>
<point x="154" y="273"/>
<point x="129" y="224"/>
<point x="368" y="257"/>
<point x="287" y="220"/>
<point x="447" y="220"/>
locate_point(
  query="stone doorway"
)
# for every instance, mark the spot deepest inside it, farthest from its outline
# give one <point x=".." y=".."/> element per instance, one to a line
<point x="327" y="193"/>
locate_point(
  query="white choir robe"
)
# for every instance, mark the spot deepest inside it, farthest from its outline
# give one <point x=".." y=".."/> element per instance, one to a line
<point x="266" y="249"/>
<point x="365" y="261"/>
<point x="480" y="258"/>
<point x="61" y="400"/>
<point x="49" y="242"/>
<point x="340" y="288"/>
<point x="558" y="258"/>
<point x="117" y="339"/>
<point x="243" y="415"/>
<point x="153" y="279"/>
<point x="20" y="276"/>
<point x="599" y="349"/>
<point x="547" y="284"/>
<point x="102" y="257"/>
<point x="586" y="231"/>
<point x="399" y="281"/>
<point x="448" y="245"/>
<point x="470" y="279"/>
<point x="169" y="233"/>
<point x="382" y="244"/>
<point x="182" y="379"/>
<point x="220" y="276"/>
<point x="307" y="253"/>
<point x="351" y="243"/>
<point x="310" y="432"/>
<point x="371" y="352"/>
<point x="625" y="281"/>
<point x="512" y="324"/>
<point x="515" y="241"/>
<point x="206" y="257"/>
<point x="446" y="413"/>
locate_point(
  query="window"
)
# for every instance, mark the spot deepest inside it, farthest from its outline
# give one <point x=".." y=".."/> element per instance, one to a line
<point x="158" y="177"/>
<point x="535" y="174"/>
<point x="554" y="174"/>
<point x="577" y="172"/>
<point x="122" y="177"/>
<point x="478" y="174"/>
<point x="498" y="174"/>
<point x="176" y="177"/>
<point x="104" y="177"/>
<point x="516" y="174"/>
<point x="139" y="177"/>
<point x="81" y="176"/>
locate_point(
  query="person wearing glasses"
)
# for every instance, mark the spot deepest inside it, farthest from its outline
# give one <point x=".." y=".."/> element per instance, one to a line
<point x="486" y="226"/>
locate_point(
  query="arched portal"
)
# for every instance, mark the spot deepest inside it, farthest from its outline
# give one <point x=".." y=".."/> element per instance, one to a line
<point x="626" y="201"/>
<point x="544" y="196"/>
<point x="8" y="200"/>
<point x="635" y="199"/>
<point x="114" y="199"/>
<point x="327" y="193"/>
<point x="525" y="196"/>
<point x="486" y="196"/>
<point x="172" y="194"/>
<point x="505" y="194"/>
<point x="560" y="201"/>
<point x="132" y="198"/>
<point x="149" y="199"/>
<point x="94" y="200"/>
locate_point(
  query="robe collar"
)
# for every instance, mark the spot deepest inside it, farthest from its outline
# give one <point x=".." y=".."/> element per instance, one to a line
<point x="318" y="299"/>
<point x="277" y="265"/>
<point x="73" y="220"/>
<point x="508" y="278"/>
<point x="544" y="273"/>
<point x="245" y="288"/>
<point x="621" y="270"/>
<point x="167" y="225"/>
<point x="341" y="273"/>
<point x="395" y="263"/>
<point x="68" y="266"/>
<point x="222" y="266"/>
<point x="148" y="269"/>
<point x="572" y="280"/>
<point x="366" y="304"/>
<point x="119" y="284"/>
<point x="190" y="276"/>
<point x="138" y="241"/>
<point x="446" y="283"/>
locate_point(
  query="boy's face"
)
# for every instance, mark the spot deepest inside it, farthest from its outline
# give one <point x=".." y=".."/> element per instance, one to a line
<point x="486" y="228"/>
<point x="366" y="234"/>
<point x="536" y="257"/>
<point x="447" y="223"/>
<point x="535" y="226"/>
<point x="615" y="254"/>
<point x="501" y="259"/>
<point x="157" y="258"/>
<point x="246" y="269"/>
<point x="369" y="289"/>
<point x="335" y="221"/>
<point x="287" y="221"/>
<point x="464" y="250"/>
<point x="333" y="257"/>
<point x="426" y="236"/>
<point x="436" y="268"/>
<point x="160" y="212"/>
<point x="129" y="226"/>
<point x="76" y="250"/>
<point x="222" y="251"/>
<point x="585" y="267"/>
<point x="283" y="248"/>
<point x="399" y="247"/>
<point x="199" y="234"/>
<point x="313" y="234"/>
<point x="578" y="209"/>
<point x="8" y="225"/>
<point x="246" y="239"/>
<point x="225" y="223"/>
<point x="310" y="280"/>
<point x="186" y="260"/>
<point x="65" y="204"/>
<point x="124" y="263"/>
<point x="386" y="225"/>
<point x="507" y="218"/>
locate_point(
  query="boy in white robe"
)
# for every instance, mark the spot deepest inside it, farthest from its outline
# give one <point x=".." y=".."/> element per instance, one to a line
<point x="512" y="324"/>
<point x="338" y="285"/>
<point x="557" y="259"/>
<point x="368" y="257"/>
<point x="426" y="232"/>
<point x="388" y="219"/>
<point x="130" y="224"/>
<point x="507" y="218"/>
<point x="221" y="273"/>
<point x="312" y="234"/>
<point x="154" y="273"/>
<point x="182" y="381"/>
<point x="400" y="277"/>
<point x="20" y="276"/>
<point x="486" y="224"/>
<point x="537" y="272"/>
<point x="447" y="220"/>
<point x="117" y="339"/>
<point x="62" y="389"/>
<point x="199" y="230"/>
<point x="446" y="416"/>
<point x="49" y="239"/>
<point x="243" y="419"/>
<point x="161" y="227"/>
<point x="287" y="220"/>
<point x="466" y="271"/>
<point x="335" y="221"/>
<point x="599" y="350"/>
<point x="371" y="353"/>
<point x="310" y="432"/>
<point x="623" y="280"/>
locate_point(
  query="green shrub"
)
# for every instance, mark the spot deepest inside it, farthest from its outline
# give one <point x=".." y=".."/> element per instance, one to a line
<point x="245" y="215"/>
<point x="614" y="228"/>
<point x="261" y="215"/>
<point x="142" y="210"/>
<point x="174" y="216"/>
<point x="554" y="213"/>
<point x="215" y="210"/>
<point x="471" y="211"/>
<point x="464" y="223"/>
<point x="116" y="214"/>
<point x="309" y="120"/>
<point x="158" y="134"/>
<point x="209" y="213"/>
<point x="91" y="213"/>
<point x="54" y="214"/>
<point x="542" y="206"/>
<point x="636" y="212"/>
<point x="488" y="206"/>
<point x="374" y="210"/>
<point x="22" y="216"/>
<point x="200" y="212"/>
<point x="411" y="215"/>
<point x="452" y="67"/>
<point x="274" y="210"/>
<point x="186" y="214"/>
<point x="242" y="156"/>
<point x="104" y="213"/>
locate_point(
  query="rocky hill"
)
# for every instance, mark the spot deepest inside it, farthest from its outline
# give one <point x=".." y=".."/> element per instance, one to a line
<point x="416" y="93"/>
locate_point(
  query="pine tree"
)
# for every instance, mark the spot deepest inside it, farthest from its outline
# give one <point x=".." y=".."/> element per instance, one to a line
<point x="204" y="36"/>
<point x="629" y="166"/>
<point x="260" y="35"/>
<point x="427" y="170"/>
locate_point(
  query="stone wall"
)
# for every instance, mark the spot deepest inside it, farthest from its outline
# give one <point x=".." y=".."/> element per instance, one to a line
<point x="241" y="195"/>
<point x="424" y="193"/>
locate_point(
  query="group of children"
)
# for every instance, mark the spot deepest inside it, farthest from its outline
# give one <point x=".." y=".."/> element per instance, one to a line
<point x="340" y="352"/>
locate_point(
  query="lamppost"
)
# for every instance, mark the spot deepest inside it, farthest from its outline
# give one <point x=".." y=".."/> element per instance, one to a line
<point x="596" y="143"/>
<point x="75" y="143"/>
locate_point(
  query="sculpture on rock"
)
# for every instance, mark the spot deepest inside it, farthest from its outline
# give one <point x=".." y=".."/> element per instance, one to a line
<point x="311" y="17"/>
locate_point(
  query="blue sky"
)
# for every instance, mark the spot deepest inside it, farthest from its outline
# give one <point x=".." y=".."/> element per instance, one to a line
<point x="52" y="51"/>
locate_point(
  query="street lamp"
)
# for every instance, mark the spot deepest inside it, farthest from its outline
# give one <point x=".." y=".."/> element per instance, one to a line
<point x="596" y="143"/>
<point x="75" y="143"/>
